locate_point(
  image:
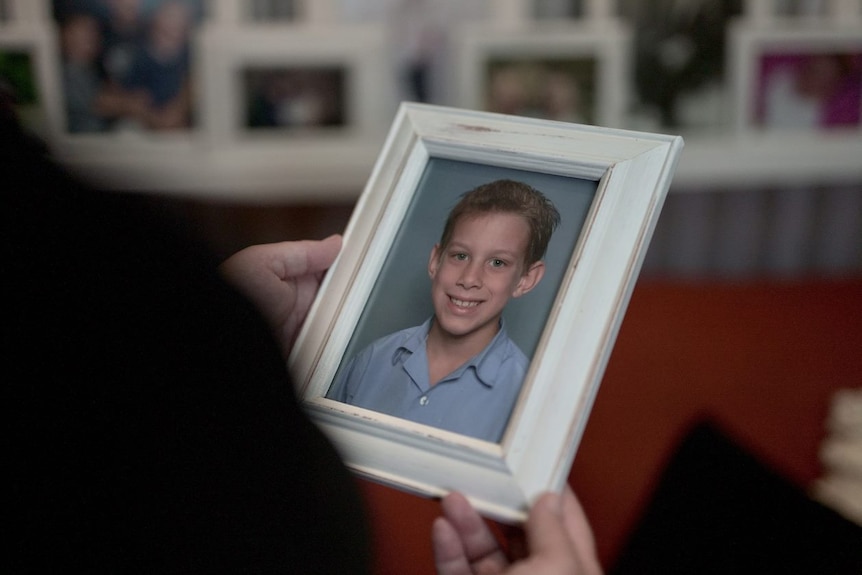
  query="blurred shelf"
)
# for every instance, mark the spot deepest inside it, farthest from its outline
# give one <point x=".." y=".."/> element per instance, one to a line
<point x="792" y="159"/>
<point x="259" y="172"/>
<point x="323" y="172"/>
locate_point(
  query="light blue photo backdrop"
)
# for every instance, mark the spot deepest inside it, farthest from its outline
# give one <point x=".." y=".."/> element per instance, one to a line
<point x="401" y="296"/>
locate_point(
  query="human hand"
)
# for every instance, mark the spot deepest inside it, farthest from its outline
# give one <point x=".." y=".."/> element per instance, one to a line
<point x="281" y="279"/>
<point x="559" y="539"/>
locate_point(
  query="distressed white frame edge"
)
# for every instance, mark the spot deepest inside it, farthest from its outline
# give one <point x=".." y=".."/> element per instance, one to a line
<point x="749" y="40"/>
<point x="500" y="479"/>
<point x="607" y="40"/>
<point x="622" y="232"/>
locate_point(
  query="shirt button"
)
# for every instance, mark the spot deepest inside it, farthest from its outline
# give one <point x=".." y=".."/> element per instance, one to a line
<point x="423" y="400"/>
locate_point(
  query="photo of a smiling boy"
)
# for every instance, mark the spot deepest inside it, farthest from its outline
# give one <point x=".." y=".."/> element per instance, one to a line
<point x="459" y="370"/>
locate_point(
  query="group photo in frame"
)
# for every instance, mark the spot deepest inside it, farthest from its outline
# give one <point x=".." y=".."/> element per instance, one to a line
<point x="608" y="185"/>
<point x="565" y="70"/>
<point x="127" y="65"/>
<point x="803" y="80"/>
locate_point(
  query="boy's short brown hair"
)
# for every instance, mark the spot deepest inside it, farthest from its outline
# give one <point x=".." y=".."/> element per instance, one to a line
<point x="509" y="196"/>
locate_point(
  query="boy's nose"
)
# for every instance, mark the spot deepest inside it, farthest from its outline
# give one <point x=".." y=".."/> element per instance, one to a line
<point x="471" y="275"/>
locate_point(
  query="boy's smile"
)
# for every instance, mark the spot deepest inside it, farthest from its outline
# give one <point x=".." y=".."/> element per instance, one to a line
<point x="476" y="274"/>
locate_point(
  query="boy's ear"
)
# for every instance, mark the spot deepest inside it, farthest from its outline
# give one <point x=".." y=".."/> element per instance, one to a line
<point x="530" y="278"/>
<point x="434" y="261"/>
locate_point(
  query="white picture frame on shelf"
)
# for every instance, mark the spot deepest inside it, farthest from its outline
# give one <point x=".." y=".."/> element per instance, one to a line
<point x="341" y="68"/>
<point x="130" y="92"/>
<point x="798" y="79"/>
<point x="122" y="146"/>
<point x="575" y="71"/>
<point x="609" y="185"/>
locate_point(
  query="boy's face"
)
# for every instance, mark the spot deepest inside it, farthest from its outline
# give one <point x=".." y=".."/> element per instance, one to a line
<point x="474" y="276"/>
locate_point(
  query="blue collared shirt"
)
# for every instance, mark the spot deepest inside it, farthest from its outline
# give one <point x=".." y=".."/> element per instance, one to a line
<point x="391" y="376"/>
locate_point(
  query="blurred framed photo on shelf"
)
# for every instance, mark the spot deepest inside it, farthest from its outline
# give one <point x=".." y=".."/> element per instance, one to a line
<point x="795" y="79"/>
<point x="326" y="84"/>
<point x="29" y="74"/>
<point x="554" y="9"/>
<point x="273" y="10"/>
<point x="128" y="67"/>
<point x="277" y="12"/>
<point x="294" y="99"/>
<point x="797" y="8"/>
<point x="555" y="71"/>
<point x="678" y="73"/>
<point x="609" y="186"/>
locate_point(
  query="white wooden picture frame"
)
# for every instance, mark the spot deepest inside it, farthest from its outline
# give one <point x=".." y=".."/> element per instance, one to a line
<point x="354" y="52"/>
<point x="563" y="47"/>
<point x="625" y="176"/>
<point x="768" y="62"/>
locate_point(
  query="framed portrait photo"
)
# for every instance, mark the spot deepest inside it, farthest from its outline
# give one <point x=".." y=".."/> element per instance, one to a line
<point x="563" y="70"/>
<point x="607" y="185"/>
<point x="797" y="79"/>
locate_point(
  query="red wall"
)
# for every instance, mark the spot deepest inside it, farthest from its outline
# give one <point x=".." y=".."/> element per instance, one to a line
<point x="763" y="359"/>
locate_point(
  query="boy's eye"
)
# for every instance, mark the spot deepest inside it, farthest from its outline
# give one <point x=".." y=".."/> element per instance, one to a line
<point x="459" y="256"/>
<point x="497" y="263"/>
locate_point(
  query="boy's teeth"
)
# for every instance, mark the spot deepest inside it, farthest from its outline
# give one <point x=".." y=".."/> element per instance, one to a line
<point x="462" y="303"/>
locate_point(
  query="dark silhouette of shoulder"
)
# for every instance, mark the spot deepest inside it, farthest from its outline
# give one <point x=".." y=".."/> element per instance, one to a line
<point x="153" y="426"/>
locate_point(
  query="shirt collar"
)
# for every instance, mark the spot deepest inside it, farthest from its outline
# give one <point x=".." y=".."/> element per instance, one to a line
<point x="489" y="361"/>
<point x="486" y="364"/>
<point x="414" y="342"/>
